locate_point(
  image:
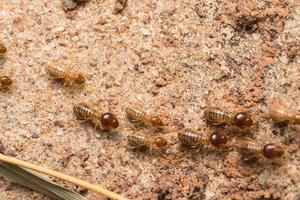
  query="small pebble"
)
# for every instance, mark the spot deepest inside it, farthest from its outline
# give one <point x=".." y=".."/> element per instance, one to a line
<point x="35" y="136"/>
<point x="136" y="67"/>
<point x="58" y="123"/>
<point x="154" y="90"/>
<point x="145" y="32"/>
<point x="119" y="6"/>
<point x="69" y="4"/>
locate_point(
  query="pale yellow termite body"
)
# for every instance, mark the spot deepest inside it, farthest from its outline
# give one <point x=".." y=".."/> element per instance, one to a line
<point x="105" y="121"/>
<point x="61" y="72"/>
<point x="280" y="112"/>
<point x="219" y="116"/>
<point x="136" y="114"/>
<point x="136" y="141"/>
<point x="249" y="149"/>
<point x="192" y="139"/>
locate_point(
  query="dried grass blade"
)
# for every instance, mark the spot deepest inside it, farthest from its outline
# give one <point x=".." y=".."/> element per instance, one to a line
<point x="36" y="182"/>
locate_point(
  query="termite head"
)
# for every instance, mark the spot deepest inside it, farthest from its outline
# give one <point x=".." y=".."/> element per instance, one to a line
<point x="160" y="142"/>
<point x="2" y="49"/>
<point x="79" y="79"/>
<point x="156" y="122"/>
<point x="272" y="151"/>
<point x="243" y="120"/>
<point x="5" y="81"/>
<point x="218" y="139"/>
<point x="109" y="120"/>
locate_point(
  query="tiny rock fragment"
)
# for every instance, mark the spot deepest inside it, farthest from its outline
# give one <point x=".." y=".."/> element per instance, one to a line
<point x="2" y="147"/>
<point x="98" y="26"/>
<point x="292" y="50"/>
<point x="83" y="155"/>
<point x="93" y="58"/>
<point x="136" y="67"/>
<point x="58" y="123"/>
<point x="200" y="10"/>
<point x="147" y="58"/>
<point x="119" y="6"/>
<point x="69" y="4"/>
<point x="72" y="4"/>
<point x="146" y="19"/>
<point x="154" y="90"/>
<point x="35" y="136"/>
<point x="102" y="21"/>
<point x="145" y="32"/>
<point x="160" y="82"/>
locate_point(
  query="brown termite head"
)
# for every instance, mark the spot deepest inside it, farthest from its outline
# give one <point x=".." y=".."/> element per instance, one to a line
<point x="5" y="81"/>
<point x="109" y="120"/>
<point x="156" y="122"/>
<point x="2" y="49"/>
<point x="218" y="139"/>
<point x="243" y="120"/>
<point x="79" y="79"/>
<point x="160" y="142"/>
<point x="272" y="151"/>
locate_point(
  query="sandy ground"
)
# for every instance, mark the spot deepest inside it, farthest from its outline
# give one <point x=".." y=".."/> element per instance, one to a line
<point x="174" y="58"/>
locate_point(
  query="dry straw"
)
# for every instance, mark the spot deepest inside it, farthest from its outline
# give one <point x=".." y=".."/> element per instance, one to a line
<point x="12" y="172"/>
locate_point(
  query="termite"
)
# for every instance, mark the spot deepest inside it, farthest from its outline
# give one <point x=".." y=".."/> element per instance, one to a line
<point x="250" y="149"/>
<point x="194" y="140"/>
<point x="136" y="114"/>
<point x="280" y="112"/>
<point x="5" y="81"/>
<point x="136" y="141"/>
<point x="218" y="116"/>
<point x="60" y="72"/>
<point x="105" y="121"/>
